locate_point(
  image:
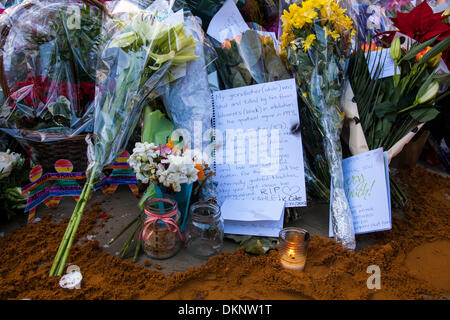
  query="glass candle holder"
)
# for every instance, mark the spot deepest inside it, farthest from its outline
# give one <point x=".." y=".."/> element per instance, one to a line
<point x="161" y="235"/>
<point x="293" y="247"/>
<point x="204" y="232"/>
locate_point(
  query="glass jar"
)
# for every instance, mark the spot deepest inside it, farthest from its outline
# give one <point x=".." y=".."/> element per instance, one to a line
<point x="161" y="235"/>
<point x="204" y="232"/>
<point x="293" y="248"/>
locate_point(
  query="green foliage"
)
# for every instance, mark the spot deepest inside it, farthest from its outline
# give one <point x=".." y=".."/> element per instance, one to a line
<point x="11" y="199"/>
<point x="389" y="107"/>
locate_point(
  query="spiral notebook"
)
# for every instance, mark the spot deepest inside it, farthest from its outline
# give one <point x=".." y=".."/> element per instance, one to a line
<point x="256" y="157"/>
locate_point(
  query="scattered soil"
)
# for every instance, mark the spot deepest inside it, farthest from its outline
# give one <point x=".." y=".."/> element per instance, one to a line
<point x="413" y="258"/>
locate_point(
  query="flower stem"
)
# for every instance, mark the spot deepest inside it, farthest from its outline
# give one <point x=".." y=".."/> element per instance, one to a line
<point x="64" y="248"/>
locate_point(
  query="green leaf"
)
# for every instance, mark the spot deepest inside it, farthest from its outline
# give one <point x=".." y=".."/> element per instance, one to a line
<point x="438" y="48"/>
<point x="424" y="114"/>
<point x="157" y="128"/>
<point x="414" y="50"/>
<point x="441" y="78"/>
<point x="61" y="111"/>
<point x="384" y="108"/>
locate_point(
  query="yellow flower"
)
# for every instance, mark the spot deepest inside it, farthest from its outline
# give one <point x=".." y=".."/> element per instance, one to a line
<point x="332" y="33"/>
<point x="328" y="12"/>
<point x="308" y="42"/>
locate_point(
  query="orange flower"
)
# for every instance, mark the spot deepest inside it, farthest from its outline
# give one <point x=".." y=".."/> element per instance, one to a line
<point x="432" y="61"/>
<point x="366" y="47"/>
<point x="200" y="173"/>
<point x="170" y="143"/>
<point x="226" y="44"/>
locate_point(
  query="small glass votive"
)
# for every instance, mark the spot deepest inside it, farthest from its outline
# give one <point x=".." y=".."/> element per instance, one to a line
<point x="293" y="247"/>
<point x="204" y="232"/>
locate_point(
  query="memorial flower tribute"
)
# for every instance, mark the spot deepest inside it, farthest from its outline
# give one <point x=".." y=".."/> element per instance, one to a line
<point x="317" y="41"/>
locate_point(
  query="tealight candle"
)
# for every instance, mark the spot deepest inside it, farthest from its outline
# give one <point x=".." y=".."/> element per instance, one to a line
<point x="293" y="247"/>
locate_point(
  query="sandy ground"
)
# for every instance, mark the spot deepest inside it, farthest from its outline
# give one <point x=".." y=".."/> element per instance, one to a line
<point x="414" y="257"/>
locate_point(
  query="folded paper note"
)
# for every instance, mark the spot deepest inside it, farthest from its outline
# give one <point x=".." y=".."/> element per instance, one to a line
<point x="366" y="183"/>
<point x="257" y="157"/>
<point x="227" y="23"/>
<point x="383" y="58"/>
<point x="253" y="217"/>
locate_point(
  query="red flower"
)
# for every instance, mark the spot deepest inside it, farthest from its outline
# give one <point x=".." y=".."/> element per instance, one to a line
<point x="422" y="24"/>
<point x="88" y="90"/>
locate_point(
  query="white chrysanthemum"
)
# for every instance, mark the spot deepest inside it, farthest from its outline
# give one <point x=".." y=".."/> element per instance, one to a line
<point x="181" y="170"/>
<point x="7" y="161"/>
<point x="142" y="161"/>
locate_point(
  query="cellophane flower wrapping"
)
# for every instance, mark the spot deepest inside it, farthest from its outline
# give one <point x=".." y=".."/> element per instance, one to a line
<point x="316" y="37"/>
<point x="372" y="16"/>
<point x="49" y="64"/>
<point x="250" y="58"/>
<point x="141" y="48"/>
<point x="188" y="102"/>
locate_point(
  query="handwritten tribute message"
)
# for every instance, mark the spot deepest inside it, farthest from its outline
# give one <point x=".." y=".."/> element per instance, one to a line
<point x="227" y="23"/>
<point x="366" y="183"/>
<point x="260" y="158"/>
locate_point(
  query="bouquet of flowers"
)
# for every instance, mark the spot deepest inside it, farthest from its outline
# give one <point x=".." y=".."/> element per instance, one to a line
<point x="392" y="109"/>
<point x="49" y="62"/>
<point x="316" y="37"/>
<point x="171" y="166"/>
<point x="141" y="48"/>
<point x="167" y="165"/>
<point x="248" y="59"/>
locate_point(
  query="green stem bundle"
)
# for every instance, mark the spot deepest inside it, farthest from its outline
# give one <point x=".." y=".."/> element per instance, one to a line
<point x="64" y="248"/>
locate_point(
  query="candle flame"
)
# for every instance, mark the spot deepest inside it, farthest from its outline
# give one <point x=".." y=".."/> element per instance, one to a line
<point x="291" y="253"/>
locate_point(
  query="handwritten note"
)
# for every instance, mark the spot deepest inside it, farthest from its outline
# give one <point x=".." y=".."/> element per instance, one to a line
<point x="366" y="183"/>
<point x="227" y="23"/>
<point x="257" y="156"/>
<point x="381" y="58"/>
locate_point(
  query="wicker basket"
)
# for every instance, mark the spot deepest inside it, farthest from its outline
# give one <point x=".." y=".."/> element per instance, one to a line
<point x="46" y="153"/>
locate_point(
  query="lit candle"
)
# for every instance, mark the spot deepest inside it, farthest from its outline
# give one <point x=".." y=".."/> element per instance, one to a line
<point x="293" y="246"/>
